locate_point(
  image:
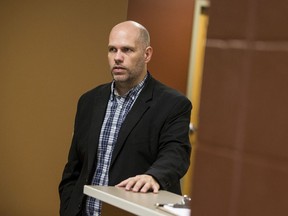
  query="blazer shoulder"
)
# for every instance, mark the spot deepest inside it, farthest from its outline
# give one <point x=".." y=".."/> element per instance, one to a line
<point x="97" y="91"/>
<point x="167" y="91"/>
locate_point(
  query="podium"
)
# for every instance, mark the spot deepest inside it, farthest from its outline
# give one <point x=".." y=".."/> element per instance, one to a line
<point x="118" y="201"/>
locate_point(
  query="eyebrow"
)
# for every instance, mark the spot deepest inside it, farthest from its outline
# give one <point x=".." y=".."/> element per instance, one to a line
<point x="121" y="47"/>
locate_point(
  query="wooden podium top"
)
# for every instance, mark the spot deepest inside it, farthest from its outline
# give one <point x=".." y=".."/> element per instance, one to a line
<point x="142" y="204"/>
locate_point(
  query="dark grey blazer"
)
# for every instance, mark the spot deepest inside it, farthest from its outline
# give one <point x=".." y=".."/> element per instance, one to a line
<point x="153" y="140"/>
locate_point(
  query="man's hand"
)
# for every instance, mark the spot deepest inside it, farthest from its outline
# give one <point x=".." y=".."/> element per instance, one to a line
<point x="140" y="183"/>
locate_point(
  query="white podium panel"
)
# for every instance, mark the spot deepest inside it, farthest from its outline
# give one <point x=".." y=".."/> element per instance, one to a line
<point x="141" y="204"/>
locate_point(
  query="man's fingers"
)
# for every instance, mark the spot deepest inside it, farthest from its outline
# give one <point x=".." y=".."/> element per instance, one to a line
<point x="130" y="184"/>
<point x="140" y="183"/>
<point x="123" y="183"/>
<point x="151" y="186"/>
<point x="145" y="188"/>
<point x="156" y="188"/>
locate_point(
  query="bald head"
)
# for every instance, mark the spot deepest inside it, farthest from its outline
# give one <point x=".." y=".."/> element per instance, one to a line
<point x="128" y="54"/>
<point x="134" y="28"/>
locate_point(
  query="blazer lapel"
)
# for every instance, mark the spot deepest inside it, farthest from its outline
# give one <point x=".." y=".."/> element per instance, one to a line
<point x="139" y="108"/>
<point x="100" y="104"/>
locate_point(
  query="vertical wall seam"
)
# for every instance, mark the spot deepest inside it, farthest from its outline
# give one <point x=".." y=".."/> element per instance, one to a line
<point x="242" y="117"/>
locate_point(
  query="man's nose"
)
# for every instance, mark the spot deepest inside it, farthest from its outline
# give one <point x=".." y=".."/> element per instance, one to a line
<point x="118" y="56"/>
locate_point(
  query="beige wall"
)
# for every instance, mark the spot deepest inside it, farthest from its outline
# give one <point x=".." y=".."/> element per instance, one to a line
<point x="50" y="53"/>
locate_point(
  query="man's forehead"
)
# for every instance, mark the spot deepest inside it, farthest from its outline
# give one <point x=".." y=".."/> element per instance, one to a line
<point x="125" y="32"/>
<point x="123" y="38"/>
<point x="129" y="26"/>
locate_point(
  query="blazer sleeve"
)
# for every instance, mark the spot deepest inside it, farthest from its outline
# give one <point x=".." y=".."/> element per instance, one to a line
<point x="72" y="168"/>
<point x="174" y="151"/>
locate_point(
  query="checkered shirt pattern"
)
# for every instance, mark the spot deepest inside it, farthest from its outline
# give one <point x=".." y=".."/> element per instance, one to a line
<point x="116" y="112"/>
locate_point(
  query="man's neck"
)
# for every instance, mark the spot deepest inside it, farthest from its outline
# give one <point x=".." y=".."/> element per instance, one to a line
<point x="122" y="90"/>
<point x="123" y="87"/>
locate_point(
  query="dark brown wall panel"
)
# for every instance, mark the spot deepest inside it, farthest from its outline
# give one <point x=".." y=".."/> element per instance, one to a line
<point x="241" y="163"/>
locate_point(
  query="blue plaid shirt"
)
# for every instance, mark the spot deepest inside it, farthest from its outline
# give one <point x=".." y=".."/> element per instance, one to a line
<point x="116" y="112"/>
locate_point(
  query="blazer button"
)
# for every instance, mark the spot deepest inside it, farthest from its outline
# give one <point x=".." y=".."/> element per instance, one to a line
<point x="86" y="180"/>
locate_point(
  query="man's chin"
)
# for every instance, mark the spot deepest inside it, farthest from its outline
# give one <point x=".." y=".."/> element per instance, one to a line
<point x="119" y="78"/>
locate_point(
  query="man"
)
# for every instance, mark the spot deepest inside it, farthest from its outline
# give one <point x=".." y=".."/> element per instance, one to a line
<point x="130" y="133"/>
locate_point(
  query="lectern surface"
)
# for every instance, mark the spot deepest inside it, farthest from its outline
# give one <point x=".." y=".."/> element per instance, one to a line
<point x="142" y="204"/>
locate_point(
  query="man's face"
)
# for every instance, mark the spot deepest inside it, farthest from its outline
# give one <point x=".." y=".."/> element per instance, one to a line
<point x="126" y="56"/>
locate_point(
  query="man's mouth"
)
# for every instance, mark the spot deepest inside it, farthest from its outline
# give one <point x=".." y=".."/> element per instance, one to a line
<point x="118" y="68"/>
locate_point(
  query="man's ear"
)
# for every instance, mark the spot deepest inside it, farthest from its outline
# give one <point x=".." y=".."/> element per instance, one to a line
<point x="148" y="54"/>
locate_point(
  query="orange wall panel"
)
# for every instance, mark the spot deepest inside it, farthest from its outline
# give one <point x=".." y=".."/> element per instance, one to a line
<point x="170" y="25"/>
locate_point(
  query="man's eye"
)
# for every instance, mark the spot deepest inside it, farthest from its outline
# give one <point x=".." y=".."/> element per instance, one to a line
<point x="125" y="50"/>
<point x="111" y="49"/>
